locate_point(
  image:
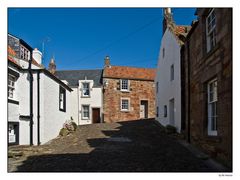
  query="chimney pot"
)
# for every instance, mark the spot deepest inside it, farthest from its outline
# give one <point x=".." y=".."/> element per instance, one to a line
<point x="107" y="61"/>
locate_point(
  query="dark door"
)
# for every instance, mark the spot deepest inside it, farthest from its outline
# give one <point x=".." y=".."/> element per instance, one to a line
<point x="96" y="115"/>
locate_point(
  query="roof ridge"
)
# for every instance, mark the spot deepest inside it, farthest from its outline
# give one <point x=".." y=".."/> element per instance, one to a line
<point x="133" y="67"/>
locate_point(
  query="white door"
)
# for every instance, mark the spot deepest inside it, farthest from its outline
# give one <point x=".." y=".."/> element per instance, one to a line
<point x="11" y="134"/>
<point x="142" y="111"/>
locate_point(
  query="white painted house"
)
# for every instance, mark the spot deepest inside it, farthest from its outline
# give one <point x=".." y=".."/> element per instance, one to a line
<point x="87" y="95"/>
<point x="48" y="103"/>
<point x="168" y="77"/>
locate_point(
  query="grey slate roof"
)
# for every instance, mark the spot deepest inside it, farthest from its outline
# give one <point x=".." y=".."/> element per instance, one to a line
<point x="72" y="76"/>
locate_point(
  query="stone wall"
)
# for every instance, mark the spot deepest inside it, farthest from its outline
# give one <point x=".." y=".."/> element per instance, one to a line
<point x="139" y="90"/>
<point x="202" y="66"/>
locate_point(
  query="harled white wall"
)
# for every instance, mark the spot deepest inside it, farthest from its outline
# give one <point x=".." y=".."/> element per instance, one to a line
<point x="169" y="89"/>
<point x="95" y="101"/>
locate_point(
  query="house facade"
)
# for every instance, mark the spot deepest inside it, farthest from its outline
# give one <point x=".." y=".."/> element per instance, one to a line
<point x="38" y="102"/>
<point x="128" y="93"/>
<point x="207" y="63"/>
<point x="86" y="98"/>
<point x="168" y="76"/>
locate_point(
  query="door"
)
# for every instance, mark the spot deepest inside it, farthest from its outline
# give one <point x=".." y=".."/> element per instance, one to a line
<point x="171" y="112"/>
<point x="144" y="110"/>
<point x="13" y="133"/>
<point x="96" y="115"/>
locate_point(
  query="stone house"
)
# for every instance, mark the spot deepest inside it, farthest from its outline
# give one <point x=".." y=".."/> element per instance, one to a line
<point x="207" y="83"/>
<point x="168" y="76"/>
<point x="86" y="97"/>
<point x="38" y="102"/>
<point x="128" y="93"/>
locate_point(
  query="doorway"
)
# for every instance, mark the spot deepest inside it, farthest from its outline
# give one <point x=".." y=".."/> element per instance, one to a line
<point x="171" y="112"/>
<point x="13" y="133"/>
<point x="96" y="115"/>
<point x="144" y="109"/>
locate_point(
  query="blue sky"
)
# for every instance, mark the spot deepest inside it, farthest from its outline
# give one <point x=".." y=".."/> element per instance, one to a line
<point x="80" y="38"/>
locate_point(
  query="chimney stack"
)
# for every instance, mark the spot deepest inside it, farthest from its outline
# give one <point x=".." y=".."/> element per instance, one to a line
<point x="107" y="61"/>
<point x="37" y="56"/>
<point x="167" y="19"/>
<point x="52" y="66"/>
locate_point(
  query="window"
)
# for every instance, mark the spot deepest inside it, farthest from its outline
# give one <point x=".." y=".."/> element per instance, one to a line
<point x="11" y="85"/>
<point x="157" y="111"/>
<point x="163" y="52"/>
<point x="62" y="99"/>
<point x="157" y="87"/>
<point x="124" y="104"/>
<point x="165" y="110"/>
<point x="172" y="72"/>
<point x="85" y="112"/>
<point x="24" y="53"/>
<point x="212" y="107"/>
<point x="211" y="30"/>
<point x="124" y="85"/>
<point x="85" y="89"/>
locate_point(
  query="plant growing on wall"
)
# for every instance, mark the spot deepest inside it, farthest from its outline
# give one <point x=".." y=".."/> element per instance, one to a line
<point x="68" y="127"/>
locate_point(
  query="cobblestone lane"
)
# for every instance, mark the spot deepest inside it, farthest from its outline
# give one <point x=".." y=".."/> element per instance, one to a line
<point x="136" y="146"/>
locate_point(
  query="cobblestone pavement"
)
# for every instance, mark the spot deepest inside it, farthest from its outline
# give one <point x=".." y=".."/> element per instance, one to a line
<point x="136" y="146"/>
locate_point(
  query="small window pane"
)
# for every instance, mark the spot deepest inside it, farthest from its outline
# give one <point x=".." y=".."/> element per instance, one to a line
<point x="124" y="84"/>
<point x="85" y="110"/>
<point x="125" y="104"/>
<point x="86" y="91"/>
<point x="165" y="111"/>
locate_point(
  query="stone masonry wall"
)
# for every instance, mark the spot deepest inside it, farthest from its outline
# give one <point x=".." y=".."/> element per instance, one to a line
<point x="203" y="67"/>
<point x="139" y="90"/>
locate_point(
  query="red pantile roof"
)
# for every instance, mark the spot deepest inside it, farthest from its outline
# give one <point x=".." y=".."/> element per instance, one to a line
<point x="129" y="73"/>
<point x="12" y="55"/>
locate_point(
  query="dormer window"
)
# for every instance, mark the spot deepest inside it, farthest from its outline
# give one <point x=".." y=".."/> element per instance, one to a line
<point x="85" y="89"/>
<point x="124" y="84"/>
<point x="24" y="52"/>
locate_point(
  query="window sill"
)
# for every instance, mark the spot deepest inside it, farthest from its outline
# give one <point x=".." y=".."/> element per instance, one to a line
<point x="13" y="101"/>
<point x="85" y="96"/>
<point x="85" y="119"/>
<point x="123" y="110"/>
<point x="213" y="138"/>
<point x="126" y="91"/>
<point x="63" y="110"/>
<point x="212" y="51"/>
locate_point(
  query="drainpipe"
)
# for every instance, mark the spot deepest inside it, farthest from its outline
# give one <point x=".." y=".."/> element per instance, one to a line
<point x="189" y="92"/>
<point x="30" y="96"/>
<point x="38" y="108"/>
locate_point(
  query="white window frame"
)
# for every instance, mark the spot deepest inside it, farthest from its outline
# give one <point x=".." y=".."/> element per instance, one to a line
<point x="11" y="86"/>
<point x="121" y="85"/>
<point x="62" y="99"/>
<point x="211" y="30"/>
<point x="121" y="104"/>
<point x="83" y="116"/>
<point x="84" y="89"/>
<point x="212" y="103"/>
